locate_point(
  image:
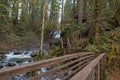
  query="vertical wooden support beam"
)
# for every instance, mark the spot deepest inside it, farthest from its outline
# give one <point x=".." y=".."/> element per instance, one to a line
<point x="97" y="72"/>
<point x="103" y="67"/>
<point x="61" y="42"/>
<point x="69" y="51"/>
<point x="64" y="52"/>
<point x="36" y="73"/>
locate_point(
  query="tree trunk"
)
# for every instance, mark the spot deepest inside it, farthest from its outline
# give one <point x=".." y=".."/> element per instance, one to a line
<point x="96" y="21"/>
<point x="28" y="15"/>
<point x="62" y="21"/>
<point x="62" y="11"/>
<point x="43" y="25"/>
<point x="15" y="12"/>
<point x="85" y="10"/>
<point x="80" y="11"/>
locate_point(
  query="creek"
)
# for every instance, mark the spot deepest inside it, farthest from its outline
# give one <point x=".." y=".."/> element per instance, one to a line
<point x="22" y="57"/>
<point x="17" y="58"/>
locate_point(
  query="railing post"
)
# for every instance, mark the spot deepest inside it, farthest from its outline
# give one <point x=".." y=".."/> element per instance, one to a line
<point x="97" y="72"/>
<point x="64" y="51"/>
<point x="35" y="73"/>
<point x="103" y="66"/>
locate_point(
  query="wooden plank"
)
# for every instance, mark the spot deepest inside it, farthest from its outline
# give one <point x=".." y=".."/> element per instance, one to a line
<point x="75" y="71"/>
<point x="81" y="63"/>
<point x="97" y="74"/>
<point x="84" y="73"/>
<point x="58" y="75"/>
<point x="71" y="71"/>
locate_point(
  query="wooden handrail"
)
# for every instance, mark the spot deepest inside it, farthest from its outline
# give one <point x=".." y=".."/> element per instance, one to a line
<point x="86" y="71"/>
<point x="67" y="59"/>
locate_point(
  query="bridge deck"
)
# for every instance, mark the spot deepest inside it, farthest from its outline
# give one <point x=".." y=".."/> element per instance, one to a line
<point x="65" y="68"/>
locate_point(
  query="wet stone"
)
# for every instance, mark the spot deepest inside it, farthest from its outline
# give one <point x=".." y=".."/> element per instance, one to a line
<point x="30" y="60"/>
<point x="2" y="57"/>
<point x="17" y="53"/>
<point x="26" y="53"/>
<point x="33" y="55"/>
<point x="1" y="66"/>
<point x="1" y="62"/>
<point x="19" y="61"/>
<point x="11" y="64"/>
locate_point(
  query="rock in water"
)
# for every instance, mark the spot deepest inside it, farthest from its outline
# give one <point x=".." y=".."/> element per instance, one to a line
<point x="2" y="57"/>
<point x="19" y="61"/>
<point x="17" y="53"/>
<point x="11" y="64"/>
<point x="1" y="66"/>
<point x="33" y="55"/>
<point x="26" y="53"/>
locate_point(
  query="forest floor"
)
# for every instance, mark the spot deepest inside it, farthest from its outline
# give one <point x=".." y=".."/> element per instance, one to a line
<point x="115" y="75"/>
<point x="5" y="45"/>
<point x="20" y="44"/>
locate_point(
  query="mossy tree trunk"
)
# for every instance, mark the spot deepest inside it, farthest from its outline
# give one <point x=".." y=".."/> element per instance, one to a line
<point x="96" y="27"/>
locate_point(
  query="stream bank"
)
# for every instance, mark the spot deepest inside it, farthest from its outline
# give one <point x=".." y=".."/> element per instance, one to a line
<point x="6" y="45"/>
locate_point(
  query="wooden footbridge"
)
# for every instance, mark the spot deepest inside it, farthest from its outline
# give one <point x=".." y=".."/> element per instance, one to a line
<point x="78" y="66"/>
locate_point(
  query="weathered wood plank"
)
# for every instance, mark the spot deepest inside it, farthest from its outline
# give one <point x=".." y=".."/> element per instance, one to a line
<point x="85" y="72"/>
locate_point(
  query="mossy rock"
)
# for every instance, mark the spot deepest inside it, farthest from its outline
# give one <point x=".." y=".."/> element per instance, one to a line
<point x="2" y="51"/>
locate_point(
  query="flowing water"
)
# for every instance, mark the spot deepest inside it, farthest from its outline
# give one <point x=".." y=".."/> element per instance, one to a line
<point x="21" y="57"/>
<point x="16" y="58"/>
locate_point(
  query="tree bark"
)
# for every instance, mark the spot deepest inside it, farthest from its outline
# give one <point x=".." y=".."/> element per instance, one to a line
<point x="43" y="25"/>
<point x="96" y="21"/>
<point x="80" y="11"/>
<point x="85" y="10"/>
<point x="62" y="21"/>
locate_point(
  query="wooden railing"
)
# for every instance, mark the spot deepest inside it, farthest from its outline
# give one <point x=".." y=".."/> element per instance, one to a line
<point x="94" y="70"/>
<point x="61" y="67"/>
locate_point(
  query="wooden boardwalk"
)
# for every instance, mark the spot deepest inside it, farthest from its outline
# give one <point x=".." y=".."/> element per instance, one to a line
<point x="78" y="66"/>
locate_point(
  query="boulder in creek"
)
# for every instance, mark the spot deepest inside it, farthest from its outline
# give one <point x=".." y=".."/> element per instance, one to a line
<point x="1" y="66"/>
<point x="2" y="56"/>
<point x="10" y="64"/>
<point x="34" y="55"/>
<point x="17" y="53"/>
